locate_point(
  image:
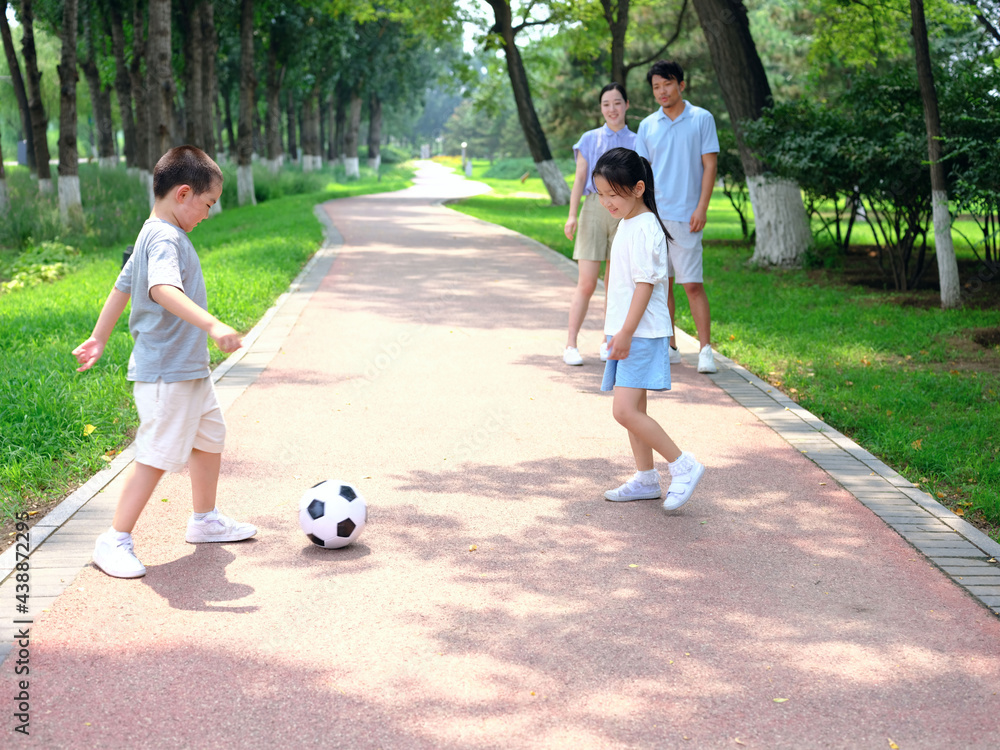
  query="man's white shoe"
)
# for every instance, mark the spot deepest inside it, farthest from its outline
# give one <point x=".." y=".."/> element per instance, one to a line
<point x="675" y="355"/>
<point x="706" y="360"/>
<point x="604" y="351"/>
<point x="218" y="528"/>
<point x="571" y="356"/>
<point x="116" y="557"/>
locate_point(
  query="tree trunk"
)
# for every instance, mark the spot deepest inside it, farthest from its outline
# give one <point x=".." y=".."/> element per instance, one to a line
<point x="39" y="121"/>
<point x="944" y="247"/>
<point x="123" y="86"/>
<point x="194" y="48"/>
<point x="351" y="165"/>
<point x="554" y="181"/>
<point x="293" y="148"/>
<point x="230" y="133"/>
<point x="70" y="207"/>
<point x="783" y="231"/>
<point x="140" y="98"/>
<point x="340" y="123"/>
<point x="275" y="77"/>
<point x="308" y="111"/>
<point x="22" y="96"/>
<point x="374" y="132"/>
<point x="160" y="80"/>
<point x="4" y="201"/>
<point x="244" y="145"/>
<point x="100" y="98"/>
<point x="331" y="129"/>
<point x="618" y="25"/>
<point x="209" y="83"/>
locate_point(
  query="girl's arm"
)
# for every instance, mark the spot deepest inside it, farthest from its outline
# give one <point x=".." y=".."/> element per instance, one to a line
<point x="621" y="342"/>
<point x="579" y="182"/>
<point x="173" y="300"/>
<point x="91" y="350"/>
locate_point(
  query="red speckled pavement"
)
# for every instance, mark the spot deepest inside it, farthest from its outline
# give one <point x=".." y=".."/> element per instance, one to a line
<point x="495" y="600"/>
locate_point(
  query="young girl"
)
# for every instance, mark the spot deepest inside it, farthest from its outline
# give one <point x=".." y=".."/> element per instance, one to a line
<point x="638" y="327"/>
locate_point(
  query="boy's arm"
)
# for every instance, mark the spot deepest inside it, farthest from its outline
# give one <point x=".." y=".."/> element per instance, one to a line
<point x="710" y="165"/>
<point x="91" y="350"/>
<point x="621" y="343"/>
<point x="173" y="300"/>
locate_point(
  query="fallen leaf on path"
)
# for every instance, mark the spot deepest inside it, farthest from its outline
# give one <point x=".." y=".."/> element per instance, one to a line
<point x="892" y="744"/>
<point x="780" y="700"/>
<point x="473" y="548"/>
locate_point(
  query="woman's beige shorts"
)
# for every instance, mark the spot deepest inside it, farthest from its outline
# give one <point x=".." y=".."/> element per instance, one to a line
<point x="595" y="231"/>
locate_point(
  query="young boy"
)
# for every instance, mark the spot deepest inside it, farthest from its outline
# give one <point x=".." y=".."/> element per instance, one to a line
<point x="180" y="421"/>
<point x="681" y="144"/>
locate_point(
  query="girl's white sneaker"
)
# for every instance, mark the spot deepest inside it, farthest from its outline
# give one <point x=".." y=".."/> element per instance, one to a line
<point x="683" y="483"/>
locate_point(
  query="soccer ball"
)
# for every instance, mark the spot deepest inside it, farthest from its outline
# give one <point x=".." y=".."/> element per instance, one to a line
<point x="332" y="513"/>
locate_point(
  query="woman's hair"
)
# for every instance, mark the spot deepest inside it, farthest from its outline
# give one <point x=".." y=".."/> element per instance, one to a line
<point x="623" y="168"/>
<point x="613" y="86"/>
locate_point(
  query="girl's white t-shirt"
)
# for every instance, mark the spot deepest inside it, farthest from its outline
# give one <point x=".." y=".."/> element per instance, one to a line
<point x="638" y="254"/>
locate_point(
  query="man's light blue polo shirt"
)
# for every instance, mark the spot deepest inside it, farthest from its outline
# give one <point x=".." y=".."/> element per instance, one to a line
<point x="595" y="143"/>
<point x="674" y="149"/>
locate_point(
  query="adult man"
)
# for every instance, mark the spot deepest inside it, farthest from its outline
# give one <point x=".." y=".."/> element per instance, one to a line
<point x="681" y="144"/>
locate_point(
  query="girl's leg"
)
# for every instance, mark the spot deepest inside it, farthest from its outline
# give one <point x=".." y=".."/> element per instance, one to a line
<point x="138" y="488"/>
<point x="644" y="433"/>
<point x="588" y="272"/>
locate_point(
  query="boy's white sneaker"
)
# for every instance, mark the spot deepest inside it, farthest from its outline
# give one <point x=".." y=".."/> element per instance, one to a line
<point x="116" y="557"/>
<point x="633" y="489"/>
<point x="675" y="355"/>
<point x="682" y="483"/>
<point x="218" y="528"/>
<point x="604" y="351"/>
<point x="571" y="356"/>
<point x="706" y="360"/>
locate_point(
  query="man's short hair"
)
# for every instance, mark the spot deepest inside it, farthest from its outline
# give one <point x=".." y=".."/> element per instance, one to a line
<point x="665" y="69"/>
<point x="185" y="165"/>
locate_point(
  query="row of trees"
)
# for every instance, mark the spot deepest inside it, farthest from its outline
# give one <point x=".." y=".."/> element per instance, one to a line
<point x="299" y="74"/>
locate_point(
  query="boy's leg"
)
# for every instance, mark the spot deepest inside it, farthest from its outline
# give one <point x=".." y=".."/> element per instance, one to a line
<point x="204" y="467"/>
<point x="628" y="414"/>
<point x="138" y="489"/>
<point x="589" y="271"/>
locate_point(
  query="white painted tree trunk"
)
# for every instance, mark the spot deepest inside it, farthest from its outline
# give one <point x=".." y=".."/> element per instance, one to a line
<point x="783" y="232"/>
<point x="352" y="166"/>
<point x="244" y="186"/>
<point x="308" y="162"/>
<point x="45" y="186"/>
<point x="132" y="171"/>
<point x="4" y="200"/>
<point x="554" y="181"/>
<point x="107" y="162"/>
<point x="375" y="163"/>
<point x="70" y="206"/>
<point x="945" y="251"/>
<point x="216" y="208"/>
<point x="146" y="180"/>
<point x="274" y="165"/>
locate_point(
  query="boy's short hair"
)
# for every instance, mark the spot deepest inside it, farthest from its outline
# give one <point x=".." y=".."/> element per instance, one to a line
<point x="185" y="165"/>
<point x="665" y="69"/>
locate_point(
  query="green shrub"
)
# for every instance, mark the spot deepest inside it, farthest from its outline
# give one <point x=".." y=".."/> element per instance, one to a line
<point x="38" y="265"/>
<point x="513" y="169"/>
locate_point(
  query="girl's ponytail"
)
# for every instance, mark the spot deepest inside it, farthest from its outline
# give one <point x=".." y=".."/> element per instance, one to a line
<point x="649" y="194"/>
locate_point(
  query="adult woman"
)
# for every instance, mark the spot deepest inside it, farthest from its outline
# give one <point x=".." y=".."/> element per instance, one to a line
<point x="596" y="227"/>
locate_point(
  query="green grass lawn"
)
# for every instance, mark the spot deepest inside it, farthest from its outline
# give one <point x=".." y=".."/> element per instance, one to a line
<point x="904" y="381"/>
<point x="57" y="426"/>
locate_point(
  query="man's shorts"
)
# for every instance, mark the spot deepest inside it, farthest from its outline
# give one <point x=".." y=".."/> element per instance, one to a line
<point x="175" y="418"/>
<point x="684" y="253"/>
<point x="646" y="366"/>
<point x="595" y="231"/>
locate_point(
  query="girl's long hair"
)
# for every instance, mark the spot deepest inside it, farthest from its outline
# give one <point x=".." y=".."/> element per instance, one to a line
<point x="623" y="168"/>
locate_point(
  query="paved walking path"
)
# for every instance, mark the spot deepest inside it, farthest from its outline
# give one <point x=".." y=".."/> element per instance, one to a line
<point x="495" y="600"/>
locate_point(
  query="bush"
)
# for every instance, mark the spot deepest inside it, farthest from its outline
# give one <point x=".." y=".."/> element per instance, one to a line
<point x="513" y="169"/>
<point x="38" y="265"/>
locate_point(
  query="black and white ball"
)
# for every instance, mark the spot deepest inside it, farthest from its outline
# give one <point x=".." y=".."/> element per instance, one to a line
<point x="332" y="514"/>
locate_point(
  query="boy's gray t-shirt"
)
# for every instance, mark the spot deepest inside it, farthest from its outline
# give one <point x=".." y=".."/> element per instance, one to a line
<point x="165" y="346"/>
